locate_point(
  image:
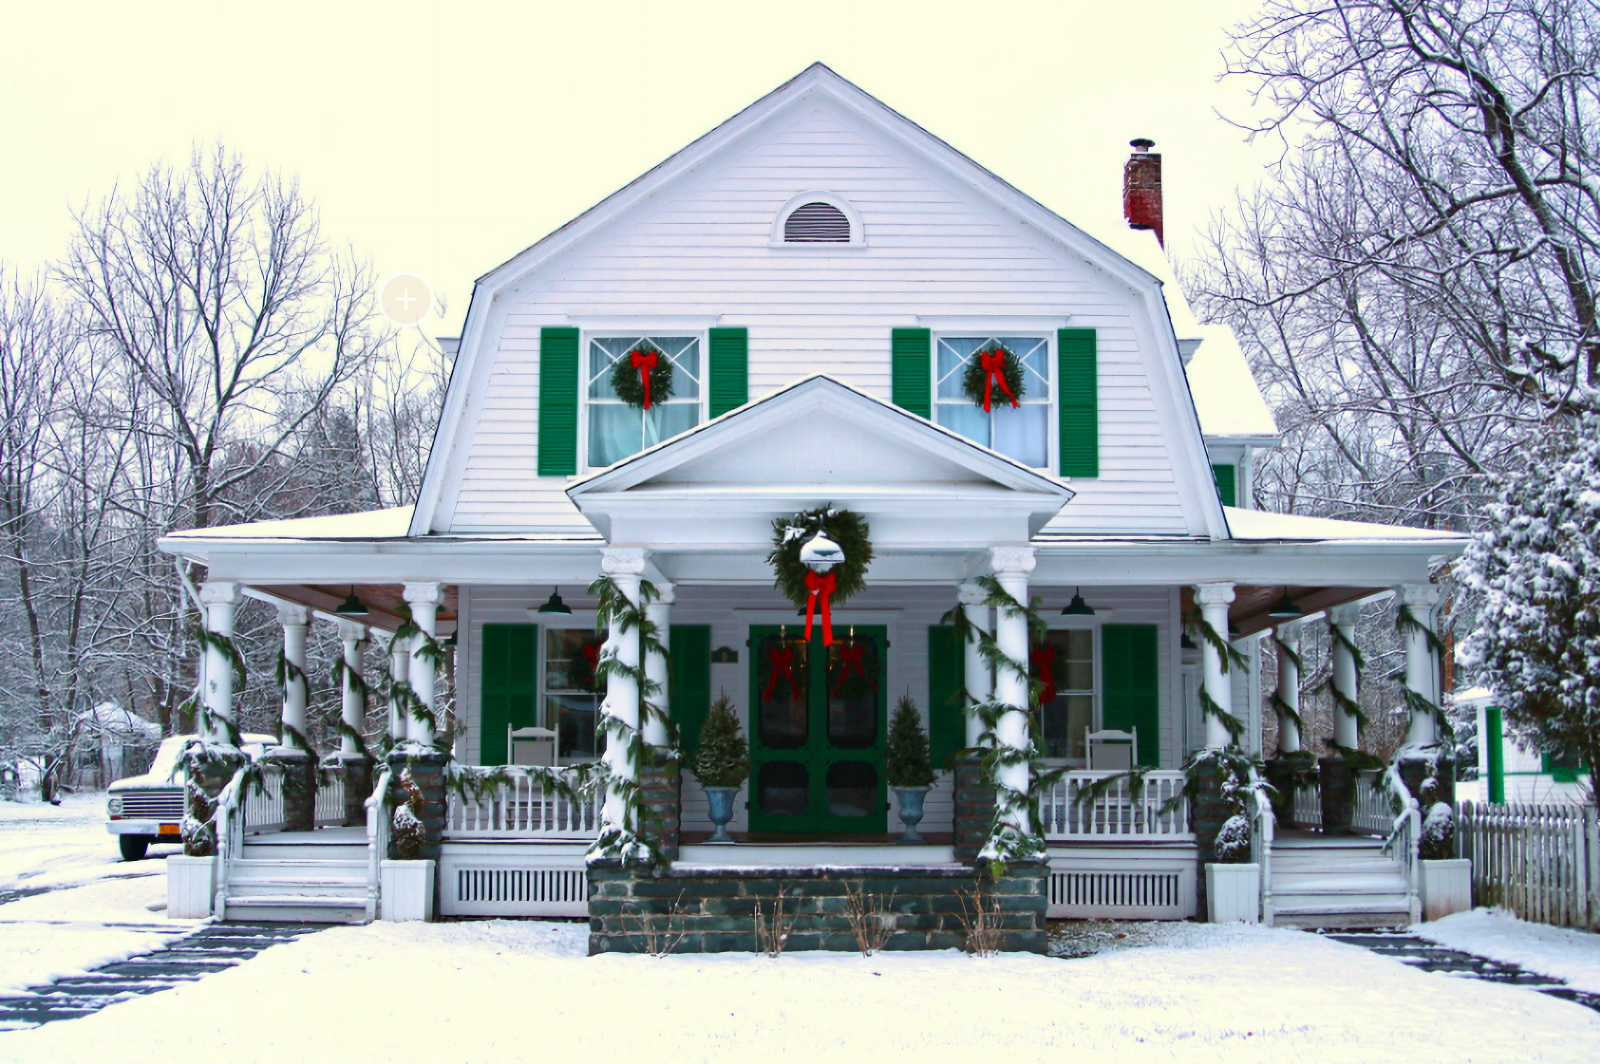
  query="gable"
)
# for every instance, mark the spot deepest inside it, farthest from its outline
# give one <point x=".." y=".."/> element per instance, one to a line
<point x="938" y="253"/>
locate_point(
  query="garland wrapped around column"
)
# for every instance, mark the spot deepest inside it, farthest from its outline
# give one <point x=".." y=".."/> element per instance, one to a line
<point x="1228" y="653"/>
<point x="401" y="693"/>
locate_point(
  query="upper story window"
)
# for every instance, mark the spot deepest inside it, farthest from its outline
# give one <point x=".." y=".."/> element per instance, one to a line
<point x="1022" y="432"/>
<point x="816" y="223"/>
<point x="617" y="429"/>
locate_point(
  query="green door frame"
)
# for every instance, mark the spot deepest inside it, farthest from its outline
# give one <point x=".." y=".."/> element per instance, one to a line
<point x="817" y="754"/>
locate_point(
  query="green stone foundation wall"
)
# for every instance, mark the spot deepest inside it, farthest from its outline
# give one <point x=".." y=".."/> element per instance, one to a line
<point x="716" y="907"/>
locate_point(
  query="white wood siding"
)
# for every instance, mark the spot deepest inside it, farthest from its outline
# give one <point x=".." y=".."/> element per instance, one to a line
<point x="934" y="251"/>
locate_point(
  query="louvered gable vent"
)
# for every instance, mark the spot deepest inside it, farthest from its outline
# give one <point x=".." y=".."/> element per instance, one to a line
<point x="816" y="223"/>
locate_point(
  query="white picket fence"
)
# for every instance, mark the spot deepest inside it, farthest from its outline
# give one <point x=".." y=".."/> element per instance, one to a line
<point x="1542" y="862"/>
<point x="520" y="808"/>
<point x="1117" y="815"/>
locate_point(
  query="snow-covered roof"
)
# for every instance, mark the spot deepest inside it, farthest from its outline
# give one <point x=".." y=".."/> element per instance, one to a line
<point x="1225" y="391"/>
<point x="1260" y="525"/>
<point x="110" y="719"/>
<point x="373" y="524"/>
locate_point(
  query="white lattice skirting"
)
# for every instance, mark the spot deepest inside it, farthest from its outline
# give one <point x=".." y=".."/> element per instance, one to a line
<point x="1108" y="884"/>
<point x="482" y="879"/>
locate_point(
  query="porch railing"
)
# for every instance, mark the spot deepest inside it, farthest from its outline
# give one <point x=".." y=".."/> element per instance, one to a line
<point x="1073" y="811"/>
<point x="520" y="806"/>
<point x="263" y="802"/>
<point x="377" y="808"/>
<point x="1374" y="813"/>
<point x="1404" y="839"/>
<point x="329" y="806"/>
<point x="1261" y="837"/>
<point x="1307" y="806"/>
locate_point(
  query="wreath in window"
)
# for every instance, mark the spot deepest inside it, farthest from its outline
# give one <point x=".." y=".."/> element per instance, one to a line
<point x="642" y="377"/>
<point x="581" y="666"/>
<point x="996" y="368"/>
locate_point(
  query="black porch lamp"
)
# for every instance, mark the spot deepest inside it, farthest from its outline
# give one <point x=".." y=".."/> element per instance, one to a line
<point x="351" y="606"/>
<point x="1077" y="607"/>
<point x="555" y="605"/>
<point x="1286" y="609"/>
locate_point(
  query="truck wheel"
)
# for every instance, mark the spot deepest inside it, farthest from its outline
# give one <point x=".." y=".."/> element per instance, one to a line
<point x="133" y="846"/>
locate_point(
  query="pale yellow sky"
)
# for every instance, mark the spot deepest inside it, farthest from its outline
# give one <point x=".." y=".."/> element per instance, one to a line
<point x="443" y="138"/>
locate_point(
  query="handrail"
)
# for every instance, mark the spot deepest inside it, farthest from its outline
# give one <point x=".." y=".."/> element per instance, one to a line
<point x="1405" y="839"/>
<point x="377" y="839"/>
<point x="230" y="834"/>
<point x="1261" y="836"/>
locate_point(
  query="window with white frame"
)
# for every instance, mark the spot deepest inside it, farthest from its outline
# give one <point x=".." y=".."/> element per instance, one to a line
<point x="1022" y="432"/>
<point x="616" y="429"/>
<point x="571" y="692"/>
<point x="1064" y="663"/>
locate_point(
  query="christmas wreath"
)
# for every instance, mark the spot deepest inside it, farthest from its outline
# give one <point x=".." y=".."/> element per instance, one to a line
<point x="802" y="585"/>
<point x="995" y="369"/>
<point x="581" y="666"/>
<point x="642" y="377"/>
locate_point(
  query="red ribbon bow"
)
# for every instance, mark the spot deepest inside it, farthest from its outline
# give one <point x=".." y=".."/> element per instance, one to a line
<point x="823" y="585"/>
<point x="591" y="654"/>
<point x="1044" y="663"/>
<point x="645" y="363"/>
<point x="993" y="363"/>
<point x="852" y="656"/>
<point x="782" y="658"/>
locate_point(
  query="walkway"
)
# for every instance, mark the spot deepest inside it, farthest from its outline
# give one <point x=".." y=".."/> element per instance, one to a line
<point x="1431" y="957"/>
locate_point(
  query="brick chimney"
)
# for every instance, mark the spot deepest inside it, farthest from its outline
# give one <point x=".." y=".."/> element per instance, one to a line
<point x="1141" y="189"/>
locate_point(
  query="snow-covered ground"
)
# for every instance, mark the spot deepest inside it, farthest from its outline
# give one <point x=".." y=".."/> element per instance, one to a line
<point x="1561" y="953"/>
<point x="74" y="926"/>
<point x="505" y="991"/>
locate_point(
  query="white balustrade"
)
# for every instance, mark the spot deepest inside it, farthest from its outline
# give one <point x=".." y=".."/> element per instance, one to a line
<point x="519" y="804"/>
<point x="1374" y="813"/>
<point x="1307" y="806"/>
<point x="263" y="801"/>
<point x="329" y="809"/>
<point x="1117" y="814"/>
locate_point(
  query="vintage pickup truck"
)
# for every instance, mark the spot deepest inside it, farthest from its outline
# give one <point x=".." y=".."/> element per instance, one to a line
<point x="149" y="808"/>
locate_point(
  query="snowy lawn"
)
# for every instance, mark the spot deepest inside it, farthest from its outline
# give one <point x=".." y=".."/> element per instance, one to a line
<point x="504" y="990"/>
<point x="1561" y="953"/>
<point x="47" y="845"/>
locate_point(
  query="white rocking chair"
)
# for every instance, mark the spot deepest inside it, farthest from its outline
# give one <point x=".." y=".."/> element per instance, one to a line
<point x="530" y="746"/>
<point x="1112" y="750"/>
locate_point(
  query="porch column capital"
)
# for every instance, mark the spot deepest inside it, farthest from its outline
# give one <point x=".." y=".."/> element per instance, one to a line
<point x="623" y="561"/>
<point x="352" y="632"/>
<point x="1427" y="596"/>
<point x="972" y="593"/>
<point x="221" y="593"/>
<point x="1012" y="560"/>
<point x="1289" y="633"/>
<point x="427" y="593"/>
<point x="1214" y="594"/>
<point x="666" y="593"/>
<point x="1349" y="613"/>
<point x="293" y="615"/>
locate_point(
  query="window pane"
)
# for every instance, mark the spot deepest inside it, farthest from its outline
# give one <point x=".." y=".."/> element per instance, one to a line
<point x="951" y="367"/>
<point x="781" y="788"/>
<point x="615" y="432"/>
<point x="852" y="788"/>
<point x="781" y="695"/>
<point x="964" y="418"/>
<point x="573" y="718"/>
<point x="667" y="420"/>
<point x="1066" y="721"/>
<point x="1022" y="433"/>
<point x="853" y="693"/>
<point x="570" y="656"/>
<point x="1034" y="354"/>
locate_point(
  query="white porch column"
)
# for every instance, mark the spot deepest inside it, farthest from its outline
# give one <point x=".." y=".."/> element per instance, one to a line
<point x="1011" y="568"/>
<point x="1288" y="639"/>
<point x="399" y="673"/>
<point x="221" y="599"/>
<point x="1346" y="729"/>
<point x="424" y="599"/>
<point x="976" y="677"/>
<point x="625" y="567"/>
<point x="659" y="614"/>
<point x="1421" y="601"/>
<point x="352" y="707"/>
<point x="1214" y="600"/>
<point x="295" y="621"/>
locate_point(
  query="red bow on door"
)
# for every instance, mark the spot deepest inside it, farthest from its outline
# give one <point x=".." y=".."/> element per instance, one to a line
<point x="1044" y="663"/>
<point x="820" y="584"/>
<point x="782" y="658"/>
<point x="645" y="363"/>
<point x="993" y="363"/>
<point x="852" y="656"/>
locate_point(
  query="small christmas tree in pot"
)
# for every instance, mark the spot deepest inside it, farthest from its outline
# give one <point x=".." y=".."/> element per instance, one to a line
<point x="910" y="765"/>
<point x="722" y="764"/>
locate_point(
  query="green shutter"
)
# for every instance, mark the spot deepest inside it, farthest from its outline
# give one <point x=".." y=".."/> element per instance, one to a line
<point x="510" y="690"/>
<point x="691" y="681"/>
<point x="947" y="677"/>
<point x="558" y="402"/>
<point x="1227" y="485"/>
<point x="911" y="366"/>
<point x="729" y="370"/>
<point x="1132" y="685"/>
<point x="1491" y="740"/>
<point x="1078" y="402"/>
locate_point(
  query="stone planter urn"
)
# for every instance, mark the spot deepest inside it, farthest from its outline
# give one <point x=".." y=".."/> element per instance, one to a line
<point x="1446" y="887"/>
<point x="1233" y="893"/>
<point x="191" y="887"/>
<point x="405" y="890"/>
<point x="720" y="800"/>
<point x="910" y="799"/>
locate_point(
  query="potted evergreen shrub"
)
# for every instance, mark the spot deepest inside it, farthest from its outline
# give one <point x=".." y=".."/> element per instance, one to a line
<point x="406" y="885"/>
<point x="910" y="765"/>
<point x="1233" y="881"/>
<point x="722" y="764"/>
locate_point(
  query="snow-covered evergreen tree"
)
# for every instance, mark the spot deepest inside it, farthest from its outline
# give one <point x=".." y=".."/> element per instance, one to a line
<point x="1537" y="566"/>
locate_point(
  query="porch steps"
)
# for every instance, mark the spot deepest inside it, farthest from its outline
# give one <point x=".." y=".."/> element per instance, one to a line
<point x="299" y="877"/>
<point x="1337" y="882"/>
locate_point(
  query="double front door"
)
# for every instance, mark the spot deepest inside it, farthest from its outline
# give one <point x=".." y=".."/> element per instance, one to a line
<point x="818" y="730"/>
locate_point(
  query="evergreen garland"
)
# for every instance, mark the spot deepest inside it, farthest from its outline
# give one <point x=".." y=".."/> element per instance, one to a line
<point x="975" y="380"/>
<point x="909" y="762"/>
<point x="723" y="759"/>
<point x="288" y="672"/>
<point x="849" y="530"/>
<point x="409" y="832"/>
<point x="626" y="381"/>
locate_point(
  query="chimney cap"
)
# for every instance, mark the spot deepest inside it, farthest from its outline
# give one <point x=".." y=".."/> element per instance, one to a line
<point x="1142" y="143"/>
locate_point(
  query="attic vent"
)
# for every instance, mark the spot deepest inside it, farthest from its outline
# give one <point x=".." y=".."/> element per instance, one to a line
<point x="816" y="223"/>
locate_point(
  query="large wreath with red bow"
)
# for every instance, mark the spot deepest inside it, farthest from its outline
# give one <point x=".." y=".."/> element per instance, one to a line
<point x="642" y="377"/>
<point x="815" y="592"/>
<point x="994" y="375"/>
